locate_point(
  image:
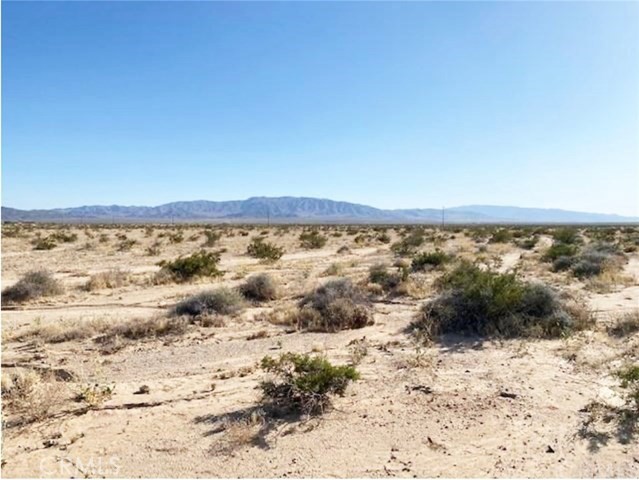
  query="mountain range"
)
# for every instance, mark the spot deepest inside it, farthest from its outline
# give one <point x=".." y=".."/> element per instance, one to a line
<point x="303" y="210"/>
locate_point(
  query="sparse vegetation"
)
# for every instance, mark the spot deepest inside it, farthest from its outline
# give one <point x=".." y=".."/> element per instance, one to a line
<point x="222" y="301"/>
<point x="33" y="285"/>
<point x="114" y="278"/>
<point x="425" y="260"/>
<point x="303" y="383"/>
<point x="337" y="305"/>
<point x="261" y="288"/>
<point x="199" y="264"/>
<point x="263" y="250"/>
<point x="312" y="240"/>
<point x="482" y="302"/>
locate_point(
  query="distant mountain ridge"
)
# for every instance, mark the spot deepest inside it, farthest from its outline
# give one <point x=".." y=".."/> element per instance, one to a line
<point x="301" y="210"/>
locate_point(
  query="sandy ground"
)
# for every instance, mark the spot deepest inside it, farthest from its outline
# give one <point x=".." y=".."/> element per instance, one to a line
<point x="443" y="410"/>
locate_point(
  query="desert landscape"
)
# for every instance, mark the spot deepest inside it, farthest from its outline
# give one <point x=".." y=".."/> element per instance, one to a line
<point x="319" y="351"/>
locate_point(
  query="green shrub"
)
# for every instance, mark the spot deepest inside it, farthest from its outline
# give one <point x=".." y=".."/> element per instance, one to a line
<point x="380" y="275"/>
<point x="486" y="303"/>
<point x="629" y="377"/>
<point x="304" y="384"/>
<point x="34" y="284"/>
<point x="425" y="260"/>
<point x="557" y="250"/>
<point x="337" y="305"/>
<point x="528" y="243"/>
<point x="261" y="288"/>
<point x="562" y="263"/>
<point x="223" y="301"/>
<point x="595" y="259"/>
<point x="501" y="236"/>
<point x="263" y="250"/>
<point x="199" y="264"/>
<point x="567" y="236"/>
<point x="409" y="244"/>
<point x="312" y="240"/>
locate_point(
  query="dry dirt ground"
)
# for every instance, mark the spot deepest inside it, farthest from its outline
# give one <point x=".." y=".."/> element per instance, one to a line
<point x="444" y="409"/>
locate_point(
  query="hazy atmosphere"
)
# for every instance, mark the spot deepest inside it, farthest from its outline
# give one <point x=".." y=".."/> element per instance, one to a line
<point x="390" y="105"/>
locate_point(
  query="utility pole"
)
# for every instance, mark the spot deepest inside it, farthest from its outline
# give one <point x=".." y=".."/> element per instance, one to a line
<point x="443" y="208"/>
<point x="268" y="215"/>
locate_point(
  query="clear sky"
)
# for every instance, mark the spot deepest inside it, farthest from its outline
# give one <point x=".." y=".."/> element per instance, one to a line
<point x="391" y="105"/>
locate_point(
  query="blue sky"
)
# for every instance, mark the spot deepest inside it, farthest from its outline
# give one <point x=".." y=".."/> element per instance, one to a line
<point x="392" y="105"/>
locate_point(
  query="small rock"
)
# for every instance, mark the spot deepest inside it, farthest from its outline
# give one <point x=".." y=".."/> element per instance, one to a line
<point x="143" y="390"/>
<point x="550" y="449"/>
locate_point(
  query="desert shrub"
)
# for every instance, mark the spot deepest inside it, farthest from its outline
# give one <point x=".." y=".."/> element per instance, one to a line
<point x="384" y="237"/>
<point x="154" y="249"/>
<point x="263" y="250"/>
<point x="312" y="240"/>
<point x="304" y="384"/>
<point x="409" y="244"/>
<point x="137" y="329"/>
<point x="343" y="250"/>
<point x="64" y="237"/>
<point x="379" y="275"/>
<point x="222" y="301"/>
<point x="595" y="259"/>
<point x="176" y="237"/>
<point x="528" y="243"/>
<point x="260" y="287"/>
<point x="501" y="236"/>
<point x="103" y="238"/>
<point x="211" y="238"/>
<point x="126" y="244"/>
<point x="568" y="236"/>
<point x="46" y="243"/>
<point x="557" y="250"/>
<point x="199" y="264"/>
<point x="333" y="270"/>
<point x="562" y="263"/>
<point x="114" y="278"/>
<point x="30" y="395"/>
<point x="336" y="305"/>
<point x="629" y="377"/>
<point x="35" y="284"/>
<point x="483" y="302"/>
<point x="626" y="325"/>
<point x="425" y="260"/>
<point x="94" y="394"/>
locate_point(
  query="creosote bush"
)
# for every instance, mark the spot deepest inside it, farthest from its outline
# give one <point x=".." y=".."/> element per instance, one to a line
<point x="409" y="244"/>
<point x="379" y="275"/>
<point x="312" y="240"/>
<point x="337" y="305"/>
<point x="486" y="303"/>
<point x="46" y="243"/>
<point x="263" y="250"/>
<point x="304" y="384"/>
<point x="222" y="301"/>
<point x="261" y="288"/>
<point x="425" y="260"/>
<point x="199" y="264"/>
<point x="33" y="285"/>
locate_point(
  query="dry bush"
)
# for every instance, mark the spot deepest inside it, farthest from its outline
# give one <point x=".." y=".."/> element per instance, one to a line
<point x="221" y="301"/>
<point x="30" y="395"/>
<point x="284" y="316"/>
<point x="344" y="250"/>
<point x="239" y="432"/>
<point x="63" y="331"/>
<point x="266" y="251"/>
<point x="114" y="278"/>
<point x="627" y="324"/>
<point x="333" y="270"/>
<point x="144" y="328"/>
<point x="312" y="240"/>
<point x="261" y="288"/>
<point x="33" y="285"/>
<point x="337" y="305"/>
